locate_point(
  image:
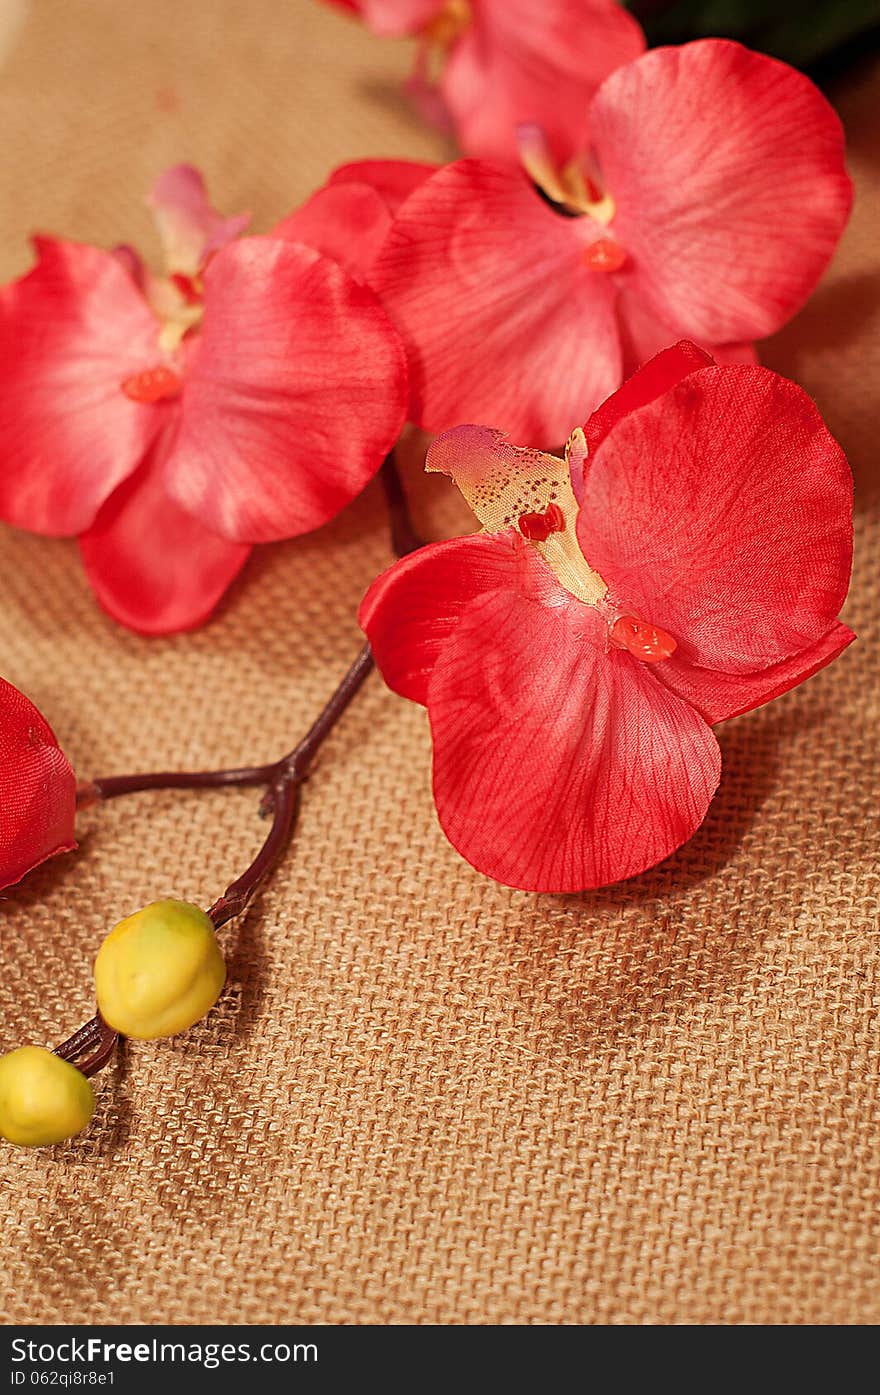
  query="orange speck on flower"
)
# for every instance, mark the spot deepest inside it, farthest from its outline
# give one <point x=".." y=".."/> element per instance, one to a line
<point x="152" y="385"/>
<point x="537" y="527"/>
<point x="646" y="642"/>
<point x="604" y="255"/>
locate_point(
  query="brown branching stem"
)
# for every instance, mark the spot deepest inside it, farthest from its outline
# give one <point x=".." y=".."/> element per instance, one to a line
<point x="93" y="1034"/>
<point x="280" y="780"/>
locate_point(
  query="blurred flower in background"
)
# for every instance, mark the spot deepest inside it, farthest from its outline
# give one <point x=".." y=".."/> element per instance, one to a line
<point x="483" y="65"/>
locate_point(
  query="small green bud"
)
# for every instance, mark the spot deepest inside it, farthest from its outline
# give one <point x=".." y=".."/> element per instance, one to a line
<point x="159" y="970"/>
<point x="43" y="1099"/>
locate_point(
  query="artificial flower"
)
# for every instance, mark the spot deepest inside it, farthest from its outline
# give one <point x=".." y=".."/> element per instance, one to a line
<point x="37" y="789"/>
<point x="350" y="216"/>
<point x="170" y="422"/>
<point x="708" y="205"/>
<point x="685" y="563"/>
<point x="483" y="66"/>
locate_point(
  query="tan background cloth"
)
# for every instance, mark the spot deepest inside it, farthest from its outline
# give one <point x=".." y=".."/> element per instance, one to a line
<point x="424" y="1098"/>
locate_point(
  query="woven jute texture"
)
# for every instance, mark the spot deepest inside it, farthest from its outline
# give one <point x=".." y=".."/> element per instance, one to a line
<point x="423" y="1098"/>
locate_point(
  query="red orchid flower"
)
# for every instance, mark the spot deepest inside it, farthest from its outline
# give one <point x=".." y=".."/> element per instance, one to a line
<point x="170" y="422"/>
<point x="485" y="65"/>
<point x="573" y="656"/>
<point x="37" y="789"/>
<point x="707" y="207"/>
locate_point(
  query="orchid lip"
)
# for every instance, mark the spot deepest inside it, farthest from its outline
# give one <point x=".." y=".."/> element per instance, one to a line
<point x="527" y="491"/>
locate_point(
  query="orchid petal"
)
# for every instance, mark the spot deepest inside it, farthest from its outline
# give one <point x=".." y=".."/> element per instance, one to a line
<point x="721" y="511"/>
<point x="411" y="610"/>
<point x="189" y="228"/>
<point x="154" y="567"/>
<point x="348" y="222"/>
<point x="558" y="764"/>
<point x="643" y="336"/>
<point x="393" y="180"/>
<point x="514" y="65"/>
<point x="726" y="168"/>
<point x="296" y="392"/>
<point x="37" y="789"/>
<point x="719" y="696"/>
<point x="654" y="378"/>
<point x="502" y="319"/>
<point x="71" y="331"/>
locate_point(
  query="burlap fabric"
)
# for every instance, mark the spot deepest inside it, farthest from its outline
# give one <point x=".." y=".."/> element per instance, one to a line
<point x="424" y="1098"/>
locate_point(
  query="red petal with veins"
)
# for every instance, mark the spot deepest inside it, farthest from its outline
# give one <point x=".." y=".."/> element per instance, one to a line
<point x="348" y="222"/>
<point x="37" y="789"/>
<point x="518" y="62"/>
<point x="502" y="320"/>
<point x="721" y="511"/>
<point x="154" y="567"/>
<point x="71" y="331"/>
<point x="643" y="336"/>
<point x="719" y="696"/>
<point x="726" y="168"/>
<point x="411" y="610"/>
<point x="296" y="391"/>
<point x="655" y="377"/>
<point x="559" y="764"/>
<point x="393" y="180"/>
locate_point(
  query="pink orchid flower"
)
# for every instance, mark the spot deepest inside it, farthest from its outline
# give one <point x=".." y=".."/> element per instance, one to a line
<point x="170" y="422"/>
<point x="485" y="65"/>
<point x="685" y="563"/>
<point x="708" y="205"/>
<point x="37" y="789"/>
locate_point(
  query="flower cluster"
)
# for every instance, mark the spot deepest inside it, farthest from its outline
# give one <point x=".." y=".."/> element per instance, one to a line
<point x="626" y="225"/>
<point x="706" y="205"/>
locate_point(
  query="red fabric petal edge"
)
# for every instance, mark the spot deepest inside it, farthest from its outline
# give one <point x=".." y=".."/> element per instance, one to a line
<point x="721" y="696"/>
<point x="655" y="377"/>
<point x="37" y="789"/>
<point x="411" y="610"/>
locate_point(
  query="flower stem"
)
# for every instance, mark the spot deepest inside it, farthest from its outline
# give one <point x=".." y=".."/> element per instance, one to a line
<point x="281" y="781"/>
<point x="94" y="1033"/>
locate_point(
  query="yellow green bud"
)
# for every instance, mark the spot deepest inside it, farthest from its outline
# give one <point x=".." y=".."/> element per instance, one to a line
<point x="43" y="1099"/>
<point x="159" y="970"/>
